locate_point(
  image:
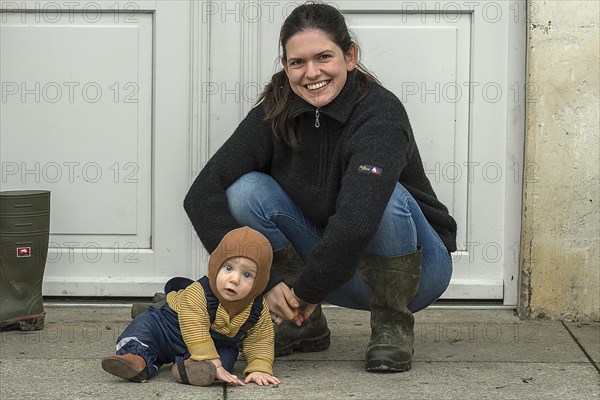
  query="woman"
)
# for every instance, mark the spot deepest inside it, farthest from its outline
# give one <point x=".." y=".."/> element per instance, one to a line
<point x="327" y="168"/>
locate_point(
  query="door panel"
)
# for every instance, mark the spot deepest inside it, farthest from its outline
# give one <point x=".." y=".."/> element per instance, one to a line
<point x="456" y="67"/>
<point x="81" y="126"/>
<point x="80" y="117"/>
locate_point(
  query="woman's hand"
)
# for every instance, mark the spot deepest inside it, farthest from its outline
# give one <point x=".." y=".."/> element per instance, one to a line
<point x="225" y="376"/>
<point x="306" y="310"/>
<point x="283" y="305"/>
<point x="262" y="379"/>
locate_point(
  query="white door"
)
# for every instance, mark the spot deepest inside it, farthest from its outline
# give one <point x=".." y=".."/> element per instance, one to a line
<point x="459" y="69"/>
<point x="95" y="108"/>
<point x="117" y="109"/>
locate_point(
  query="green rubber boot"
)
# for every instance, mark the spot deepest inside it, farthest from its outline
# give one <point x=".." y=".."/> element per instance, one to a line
<point x="287" y="264"/>
<point x="395" y="281"/>
<point x="314" y="334"/>
<point x="24" y="233"/>
<point x="158" y="300"/>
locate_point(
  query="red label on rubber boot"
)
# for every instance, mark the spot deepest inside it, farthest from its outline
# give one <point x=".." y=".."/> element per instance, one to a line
<point x="23" y="251"/>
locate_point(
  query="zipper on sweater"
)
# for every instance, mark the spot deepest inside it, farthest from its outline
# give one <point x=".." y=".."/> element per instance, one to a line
<point x="317" y="123"/>
<point x="323" y="159"/>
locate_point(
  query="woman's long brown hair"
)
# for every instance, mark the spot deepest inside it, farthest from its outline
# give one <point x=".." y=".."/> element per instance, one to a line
<point x="278" y="94"/>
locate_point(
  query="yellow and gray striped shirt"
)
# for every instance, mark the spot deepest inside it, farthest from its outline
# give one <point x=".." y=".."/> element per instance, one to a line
<point x="191" y="307"/>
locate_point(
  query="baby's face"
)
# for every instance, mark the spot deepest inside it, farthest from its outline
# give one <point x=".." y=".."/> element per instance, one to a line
<point x="236" y="277"/>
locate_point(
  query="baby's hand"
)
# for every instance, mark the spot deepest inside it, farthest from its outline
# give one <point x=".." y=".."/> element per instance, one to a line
<point x="225" y="376"/>
<point x="262" y="379"/>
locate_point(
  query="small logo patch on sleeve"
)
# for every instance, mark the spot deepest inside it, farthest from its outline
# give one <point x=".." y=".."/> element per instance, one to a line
<point x="370" y="169"/>
<point x="24" y="251"/>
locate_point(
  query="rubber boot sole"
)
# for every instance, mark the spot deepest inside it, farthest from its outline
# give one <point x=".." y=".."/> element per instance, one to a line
<point x="387" y="366"/>
<point x="122" y="369"/>
<point x="308" y="345"/>
<point x="29" y="323"/>
<point x="384" y="364"/>
<point x="197" y="373"/>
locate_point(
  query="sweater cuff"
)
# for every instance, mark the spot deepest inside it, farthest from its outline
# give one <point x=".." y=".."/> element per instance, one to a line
<point x="259" y="365"/>
<point x="273" y="281"/>
<point x="203" y="351"/>
<point x="307" y="293"/>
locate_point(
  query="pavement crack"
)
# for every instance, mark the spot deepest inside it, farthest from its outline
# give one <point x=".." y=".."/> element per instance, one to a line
<point x="589" y="357"/>
<point x="224" y="390"/>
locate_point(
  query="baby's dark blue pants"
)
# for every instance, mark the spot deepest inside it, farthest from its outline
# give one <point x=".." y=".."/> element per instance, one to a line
<point x="155" y="335"/>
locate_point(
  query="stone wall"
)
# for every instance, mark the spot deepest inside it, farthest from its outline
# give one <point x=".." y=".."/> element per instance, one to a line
<point x="560" y="264"/>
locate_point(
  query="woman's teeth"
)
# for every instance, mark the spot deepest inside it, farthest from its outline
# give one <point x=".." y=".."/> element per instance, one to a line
<point x="317" y="85"/>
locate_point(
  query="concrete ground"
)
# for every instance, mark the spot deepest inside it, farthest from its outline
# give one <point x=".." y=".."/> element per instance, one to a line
<point x="459" y="354"/>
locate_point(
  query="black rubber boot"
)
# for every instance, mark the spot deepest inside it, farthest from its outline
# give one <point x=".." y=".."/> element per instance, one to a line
<point x="24" y="232"/>
<point x="395" y="281"/>
<point x="313" y="334"/>
<point x="287" y="264"/>
<point x="158" y="301"/>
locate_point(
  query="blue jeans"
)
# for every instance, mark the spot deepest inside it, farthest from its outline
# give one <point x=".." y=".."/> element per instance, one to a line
<point x="258" y="201"/>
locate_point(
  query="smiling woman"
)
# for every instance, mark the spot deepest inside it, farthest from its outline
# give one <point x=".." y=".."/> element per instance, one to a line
<point x="316" y="67"/>
<point x="327" y="168"/>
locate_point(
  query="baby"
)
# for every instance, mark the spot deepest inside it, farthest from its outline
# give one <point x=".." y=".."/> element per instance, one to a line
<point x="203" y="323"/>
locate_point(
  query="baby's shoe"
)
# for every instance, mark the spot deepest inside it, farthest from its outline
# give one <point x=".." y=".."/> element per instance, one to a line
<point x="128" y="366"/>
<point x="197" y="373"/>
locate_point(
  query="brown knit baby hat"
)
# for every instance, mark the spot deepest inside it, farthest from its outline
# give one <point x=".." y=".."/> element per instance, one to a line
<point x="242" y="242"/>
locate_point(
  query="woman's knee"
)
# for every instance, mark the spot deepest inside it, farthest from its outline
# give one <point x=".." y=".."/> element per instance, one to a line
<point x="246" y="184"/>
<point x="243" y="194"/>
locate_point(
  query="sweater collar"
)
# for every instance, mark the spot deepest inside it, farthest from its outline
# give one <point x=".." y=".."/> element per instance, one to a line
<point x="339" y="109"/>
